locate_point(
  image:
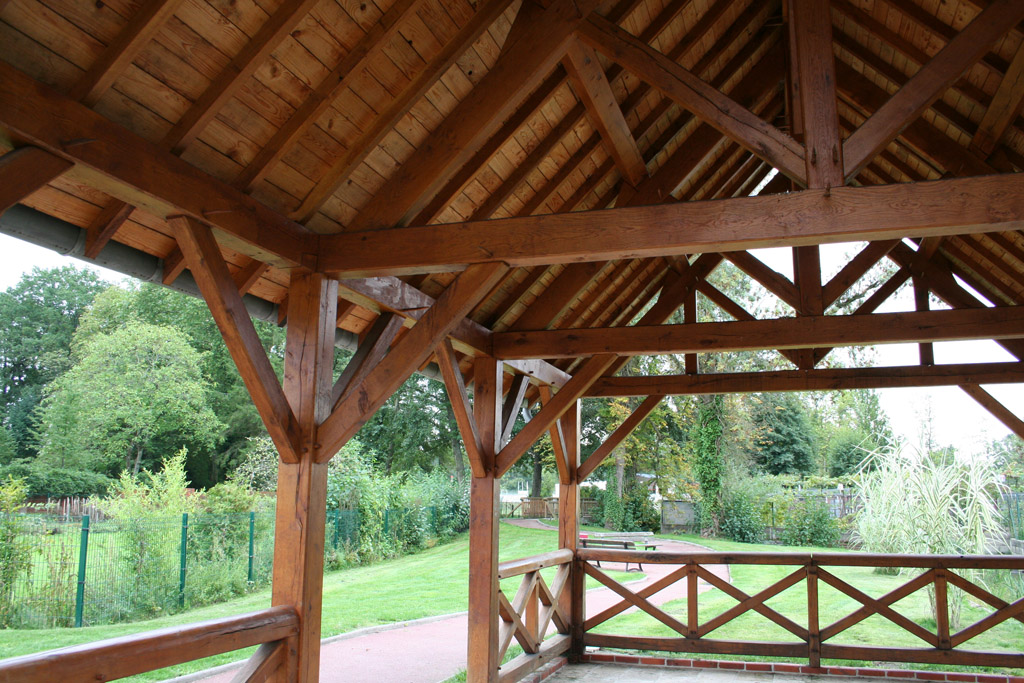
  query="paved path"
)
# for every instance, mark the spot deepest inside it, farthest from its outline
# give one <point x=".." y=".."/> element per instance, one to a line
<point x="434" y="649"/>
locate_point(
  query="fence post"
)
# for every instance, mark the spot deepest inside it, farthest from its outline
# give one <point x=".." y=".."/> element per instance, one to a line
<point x="337" y="527"/>
<point x="252" y="545"/>
<point x="83" y="552"/>
<point x="181" y="575"/>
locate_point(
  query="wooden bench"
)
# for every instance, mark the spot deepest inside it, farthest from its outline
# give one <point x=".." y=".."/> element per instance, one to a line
<point x="617" y="543"/>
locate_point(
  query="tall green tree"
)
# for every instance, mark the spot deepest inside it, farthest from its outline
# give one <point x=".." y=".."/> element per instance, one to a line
<point x="133" y="397"/>
<point x="38" y="317"/>
<point x="786" y="438"/>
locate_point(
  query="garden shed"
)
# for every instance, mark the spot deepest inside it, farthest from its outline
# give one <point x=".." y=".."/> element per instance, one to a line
<point x="519" y="195"/>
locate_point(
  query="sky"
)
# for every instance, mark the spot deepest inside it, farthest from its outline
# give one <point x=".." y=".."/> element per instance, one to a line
<point x="955" y="418"/>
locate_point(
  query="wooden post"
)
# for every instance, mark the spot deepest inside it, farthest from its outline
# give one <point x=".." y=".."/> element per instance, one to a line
<point x="485" y="494"/>
<point x="569" y="528"/>
<point x="302" y="485"/>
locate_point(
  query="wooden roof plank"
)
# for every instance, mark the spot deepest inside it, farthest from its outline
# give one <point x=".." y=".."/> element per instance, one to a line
<point x="120" y="53"/>
<point x="1004" y="107"/>
<point x="929" y="83"/>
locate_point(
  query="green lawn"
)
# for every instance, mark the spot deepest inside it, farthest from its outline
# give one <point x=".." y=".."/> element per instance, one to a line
<point x="428" y="583"/>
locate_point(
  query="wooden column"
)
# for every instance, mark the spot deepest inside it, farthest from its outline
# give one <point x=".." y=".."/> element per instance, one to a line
<point x="302" y="485"/>
<point x="569" y="528"/>
<point x="485" y="494"/>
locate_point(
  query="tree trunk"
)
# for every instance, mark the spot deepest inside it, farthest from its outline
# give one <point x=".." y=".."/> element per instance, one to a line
<point x="138" y="460"/>
<point x="620" y="472"/>
<point x="460" y="466"/>
<point x="535" y="485"/>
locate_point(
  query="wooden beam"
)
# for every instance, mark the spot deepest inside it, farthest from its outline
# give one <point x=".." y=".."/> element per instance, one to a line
<point x="926" y="349"/>
<point x="518" y="71"/>
<point x="559" y="403"/>
<point x="138" y="172"/>
<point x="1002" y="109"/>
<point x="372" y="349"/>
<point x="119" y="54"/>
<point x="246" y="276"/>
<point x="482" y="659"/>
<point x="513" y="402"/>
<point x="557" y="441"/>
<point x="102" y="228"/>
<point x="691" y="93"/>
<point x="302" y="486"/>
<point x="618" y="436"/>
<point x="855" y="270"/>
<point x="408" y="354"/>
<point x="549" y="306"/>
<point x="810" y="25"/>
<point x="772" y="280"/>
<point x="844" y="214"/>
<point x="218" y="289"/>
<point x="174" y="265"/>
<point x="25" y="170"/>
<point x="822" y="379"/>
<point x="603" y="110"/>
<point x="998" y="410"/>
<point x="779" y="333"/>
<point x="461" y="408"/>
<point x="928" y="84"/>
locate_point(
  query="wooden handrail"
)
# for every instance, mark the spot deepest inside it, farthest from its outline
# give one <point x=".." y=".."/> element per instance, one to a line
<point x="797" y="559"/>
<point x="115" y="658"/>
<point x="532" y="564"/>
<point x="814" y="638"/>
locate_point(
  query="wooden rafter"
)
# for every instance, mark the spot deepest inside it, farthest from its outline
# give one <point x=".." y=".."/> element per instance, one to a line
<point x="820" y="379"/>
<point x="593" y="89"/>
<point x="211" y="274"/>
<point x="408" y="354"/>
<point x="929" y="83"/>
<point x="1003" y="109"/>
<point x="998" y="410"/>
<point x="944" y="207"/>
<point x="779" y="333"/>
<point x="120" y="53"/>
<point x="139" y="173"/>
<point x="511" y="408"/>
<point x="25" y="170"/>
<point x="518" y="71"/>
<point x="709" y="104"/>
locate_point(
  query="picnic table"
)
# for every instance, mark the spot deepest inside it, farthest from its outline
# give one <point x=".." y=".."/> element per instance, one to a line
<point x="625" y="544"/>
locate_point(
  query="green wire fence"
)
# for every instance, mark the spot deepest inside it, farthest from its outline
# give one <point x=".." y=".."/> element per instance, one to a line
<point x="57" y="573"/>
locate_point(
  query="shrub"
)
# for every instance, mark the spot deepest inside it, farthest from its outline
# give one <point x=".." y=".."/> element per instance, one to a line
<point x="741" y="517"/>
<point x="809" y="522"/>
<point x="15" y="553"/>
<point x="638" y="510"/>
<point x="56" y="482"/>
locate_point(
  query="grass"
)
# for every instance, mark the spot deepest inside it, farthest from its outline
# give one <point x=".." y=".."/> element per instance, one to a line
<point x="428" y="583"/>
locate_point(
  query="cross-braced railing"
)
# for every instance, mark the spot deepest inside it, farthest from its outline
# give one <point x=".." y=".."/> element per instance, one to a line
<point x="814" y="642"/>
<point x="535" y="606"/>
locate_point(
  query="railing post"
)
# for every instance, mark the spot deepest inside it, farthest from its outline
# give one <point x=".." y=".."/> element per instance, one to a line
<point x="83" y="552"/>
<point x="569" y="529"/>
<point x="692" y="615"/>
<point x="813" y="632"/>
<point x="942" y="609"/>
<point x="252" y="541"/>
<point x="184" y="556"/>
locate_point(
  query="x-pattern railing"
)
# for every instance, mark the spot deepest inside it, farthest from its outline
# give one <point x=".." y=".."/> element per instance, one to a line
<point x="811" y="569"/>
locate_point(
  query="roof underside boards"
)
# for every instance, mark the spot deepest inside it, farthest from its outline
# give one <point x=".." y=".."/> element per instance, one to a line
<point x="322" y="134"/>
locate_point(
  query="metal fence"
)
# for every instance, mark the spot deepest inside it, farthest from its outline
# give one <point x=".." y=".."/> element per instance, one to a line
<point x="60" y="573"/>
<point x="1012" y="505"/>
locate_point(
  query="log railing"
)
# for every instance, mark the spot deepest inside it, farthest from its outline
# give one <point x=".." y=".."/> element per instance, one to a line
<point x="274" y="630"/>
<point x="527" y="615"/>
<point x="812" y="637"/>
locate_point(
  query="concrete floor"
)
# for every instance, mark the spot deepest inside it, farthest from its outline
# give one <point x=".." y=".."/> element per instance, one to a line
<point x="625" y="673"/>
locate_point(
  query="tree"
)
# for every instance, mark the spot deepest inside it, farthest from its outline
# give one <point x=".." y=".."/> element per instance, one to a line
<point x="786" y="441"/>
<point x="133" y="396"/>
<point x="38" y="317"/>
<point x="708" y="465"/>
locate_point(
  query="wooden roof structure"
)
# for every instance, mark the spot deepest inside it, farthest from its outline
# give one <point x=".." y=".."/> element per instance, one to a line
<point x="541" y="182"/>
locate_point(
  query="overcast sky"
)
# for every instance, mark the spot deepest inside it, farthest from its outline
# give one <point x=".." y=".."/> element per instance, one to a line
<point x="955" y="417"/>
